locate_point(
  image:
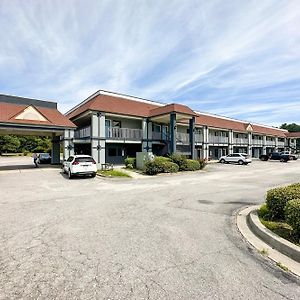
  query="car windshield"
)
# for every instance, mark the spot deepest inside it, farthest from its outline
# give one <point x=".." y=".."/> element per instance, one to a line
<point x="44" y="155"/>
<point x="84" y="159"/>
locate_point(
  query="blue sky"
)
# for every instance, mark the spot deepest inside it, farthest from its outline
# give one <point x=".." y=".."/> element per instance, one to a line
<point x="239" y="58"/>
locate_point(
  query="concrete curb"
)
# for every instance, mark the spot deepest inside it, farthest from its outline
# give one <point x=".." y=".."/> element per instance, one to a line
<point x="261" y="245"/>
<point x="271" y="238"/>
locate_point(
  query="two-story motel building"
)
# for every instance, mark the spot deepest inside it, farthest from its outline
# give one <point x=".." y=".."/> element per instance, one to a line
<point x="112" y="126"/>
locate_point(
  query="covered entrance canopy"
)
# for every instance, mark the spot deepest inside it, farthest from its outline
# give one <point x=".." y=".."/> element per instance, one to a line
<point x="25" y="116"/>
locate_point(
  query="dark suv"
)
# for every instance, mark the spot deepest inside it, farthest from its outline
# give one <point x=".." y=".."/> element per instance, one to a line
<point x="276" y="156"/>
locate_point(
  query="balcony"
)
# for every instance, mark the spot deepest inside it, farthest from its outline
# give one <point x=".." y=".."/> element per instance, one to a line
<point x="213" y="139"/>
<point x="81" y="133"/>
<point x="270" y="143"/>
<point x="240" y="141"/>
<point x="160" y="136"/>
<point x="183" y="138"/>
<point x="198" y="138"/>
<point x="123" y="133"/>
<point x="257" y="142"/>
<point x="281" y="144"/>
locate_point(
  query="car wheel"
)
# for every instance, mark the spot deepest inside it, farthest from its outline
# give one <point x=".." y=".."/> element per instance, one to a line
<point x="70" y="174"/>
<point x="240" y="162"/>
<point x="222" y="161"/>
<point x="281" y="160"/>
<point x="93" y="175"/>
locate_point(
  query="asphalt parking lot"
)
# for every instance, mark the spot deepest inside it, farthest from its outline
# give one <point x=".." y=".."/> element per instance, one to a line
<point x="164" y="237"/>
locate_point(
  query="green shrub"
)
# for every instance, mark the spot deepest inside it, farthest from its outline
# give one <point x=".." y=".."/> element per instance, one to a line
<point x="130" y="162"/>
<point x="292" y="215"/>
<point x="203" y="163"/>
<point x="170" y="167"/>
<point x="179" y="160"/>
<point x="277" y="199"/>
<point x="263" y="212"/>
<point x="160" y="165"/>
<point x="190" y="165"/>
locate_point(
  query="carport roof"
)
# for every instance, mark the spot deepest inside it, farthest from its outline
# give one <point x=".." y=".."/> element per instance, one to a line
<point x="49" y="116"/>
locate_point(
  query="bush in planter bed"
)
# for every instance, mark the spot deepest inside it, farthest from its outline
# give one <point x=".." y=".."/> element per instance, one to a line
<point x="190" y="165"/>
<point x="178" y="159"/>
<point x="203" y="163"/>
<point x="277" y="199"/>
<point x="130" y="162"/>
<point x="160" y="165"/>
<point x="292" y="215"/>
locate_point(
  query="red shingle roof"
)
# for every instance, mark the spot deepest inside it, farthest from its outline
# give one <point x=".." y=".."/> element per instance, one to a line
<point x="9" y="111"/>
<point x="293" y="134"/>
<point x="169" y="108"/>
<point x="123" y="106"/>
<point x="116" y="105"/>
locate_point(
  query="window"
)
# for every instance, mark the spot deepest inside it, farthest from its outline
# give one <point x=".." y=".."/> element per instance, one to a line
<point x="108" y="123"/>
<point x="70" y="159"/>
<point x="156" y="127"/>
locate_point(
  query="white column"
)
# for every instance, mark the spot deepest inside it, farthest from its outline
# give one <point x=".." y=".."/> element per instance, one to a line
<point x="249" y="148"/>
<point x="276" y="144"/>
<point x="68" y="143"/>
<point x="264" y="145"/>
<point x="205" y="143"/>
<point x="230" y="141"/>
<point x="98" y="138"/>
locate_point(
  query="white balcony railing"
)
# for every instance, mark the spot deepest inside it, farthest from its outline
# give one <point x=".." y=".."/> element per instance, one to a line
<point x="82" y="132"/>
<point x="240" y="141"/>
<point x="198" y="138"/>
<point x="123" y="133"/>
<point x="183" y="137"/>
<point x="161" y="136"/>
<point x="281" y="144"/>
<point x="257" y="142"/>
<point x="217" y="139"/>
<point x="270" y="143"/>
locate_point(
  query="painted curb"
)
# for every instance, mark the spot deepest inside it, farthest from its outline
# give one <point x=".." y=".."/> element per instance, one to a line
<point x="272" y="239"/>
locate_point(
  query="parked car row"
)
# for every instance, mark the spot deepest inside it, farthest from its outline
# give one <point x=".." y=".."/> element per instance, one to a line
<point x="281" y="156"/>
<point x="244" y="159"/>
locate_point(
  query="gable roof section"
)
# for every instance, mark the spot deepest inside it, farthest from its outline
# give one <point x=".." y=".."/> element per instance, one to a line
<point x="293" y="134"/>
<point x="9" y="112"/>
<point x="169" y="108"/>
<point x="116" y="105"/>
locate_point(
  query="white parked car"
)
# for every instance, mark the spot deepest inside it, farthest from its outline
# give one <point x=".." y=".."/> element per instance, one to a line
<point x="80" y="165"/>
<point x="238" y="158"/>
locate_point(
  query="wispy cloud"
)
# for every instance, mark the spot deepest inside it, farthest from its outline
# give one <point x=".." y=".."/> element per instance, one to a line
<point x="236" y="58"/>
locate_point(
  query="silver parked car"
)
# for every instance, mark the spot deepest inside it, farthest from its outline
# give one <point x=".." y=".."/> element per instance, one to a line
<point x="238" y="158"/>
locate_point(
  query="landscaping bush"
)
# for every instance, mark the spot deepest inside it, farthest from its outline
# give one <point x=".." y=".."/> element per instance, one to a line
<point x="190" y="165"/>
<point x="203" y="163"/>
<point x="277" y="199"/>
<point x="170" y="167"/>
<point x="130" y="162"/>
<point x="160" y="165"/>
<point x="263" y="212"/>
<point x="292" y="215"/>
<point x="179" y="160"/>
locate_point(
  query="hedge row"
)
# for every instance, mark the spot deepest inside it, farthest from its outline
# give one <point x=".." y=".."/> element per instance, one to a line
<point x="130" y="162"/>
<point x="173" y="164"/>
<point x="283" y="204"/>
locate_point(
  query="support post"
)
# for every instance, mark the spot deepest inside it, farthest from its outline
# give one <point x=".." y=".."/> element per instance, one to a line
<point x="205" y="143"/>
<point x="230" y="141"/>
<point x="147" y="135"/>
<point x="98" y="137"/>
<point x="55" y="151"/>
<point x="68" y="143"/>
<point x="249" y="148"/>
<point x="192" y="137"/>
<point x="264" y="145"/>
<point x="173" y="128"/>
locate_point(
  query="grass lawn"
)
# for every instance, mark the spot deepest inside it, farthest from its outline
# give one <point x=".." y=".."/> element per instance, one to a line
<point x="282" y="229"/>
<point x="113" y="173"/>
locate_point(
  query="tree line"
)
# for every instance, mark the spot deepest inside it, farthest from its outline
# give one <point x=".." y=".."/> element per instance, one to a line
<point x="24" y="144"/>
